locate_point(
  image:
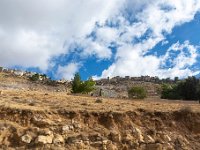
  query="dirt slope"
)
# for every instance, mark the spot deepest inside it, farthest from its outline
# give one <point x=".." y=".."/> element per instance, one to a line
<point x="55" y="120"/>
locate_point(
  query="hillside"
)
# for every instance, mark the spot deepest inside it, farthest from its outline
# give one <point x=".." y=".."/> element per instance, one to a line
<point x="9" y="80"/>
<point x="45" y="118"/>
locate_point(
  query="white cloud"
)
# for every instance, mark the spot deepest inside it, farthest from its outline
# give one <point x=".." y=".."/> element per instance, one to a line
<point x="131" y="62"/>
<point x="33" y="32"/>
<point x="68" y="71"/>
<point x="155" y="21"/>
<point x="186" y="57"/>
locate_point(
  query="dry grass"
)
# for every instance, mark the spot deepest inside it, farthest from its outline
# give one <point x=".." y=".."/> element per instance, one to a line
<point x="37" y="101"/>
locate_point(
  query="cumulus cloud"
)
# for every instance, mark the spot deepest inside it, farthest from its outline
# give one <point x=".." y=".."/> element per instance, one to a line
<point x="132" y="63"/>
<point x="33" y="32"/>
<point x="152" y="24"/>
<point x="68" y="71"/>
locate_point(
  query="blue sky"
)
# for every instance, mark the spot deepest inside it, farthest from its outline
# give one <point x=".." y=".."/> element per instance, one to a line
<point x="102" y="39"/>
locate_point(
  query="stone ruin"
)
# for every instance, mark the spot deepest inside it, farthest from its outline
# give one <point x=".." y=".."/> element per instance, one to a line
<point x="117" y="87"/>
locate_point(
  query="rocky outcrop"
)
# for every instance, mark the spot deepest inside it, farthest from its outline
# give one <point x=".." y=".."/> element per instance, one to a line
<point x="140" y="130"/>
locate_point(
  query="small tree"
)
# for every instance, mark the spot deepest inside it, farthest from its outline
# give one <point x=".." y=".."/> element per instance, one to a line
<point x="137" y="93"/>
<point x="88" y="86"/>
<point x="76" y="83"/>
<point x="79" y="86"/>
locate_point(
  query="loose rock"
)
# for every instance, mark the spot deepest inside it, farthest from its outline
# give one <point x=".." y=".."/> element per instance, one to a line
<point x="26" y="138"/>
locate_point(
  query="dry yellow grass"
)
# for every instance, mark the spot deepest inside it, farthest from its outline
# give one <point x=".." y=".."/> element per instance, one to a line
<point x="39" y="101"/>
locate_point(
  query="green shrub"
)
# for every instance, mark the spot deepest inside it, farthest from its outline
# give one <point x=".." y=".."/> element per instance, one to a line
<point x="170" y="92"/>
<point x="35" y="77"/>
<point x="137" y="93"/>
<point x="188" y="89"/>
<point x="79" y="86"/>
<point x="76" y="84"/>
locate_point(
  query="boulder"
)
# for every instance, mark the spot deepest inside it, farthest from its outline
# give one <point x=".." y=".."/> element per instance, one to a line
<point x="26" y="138"/>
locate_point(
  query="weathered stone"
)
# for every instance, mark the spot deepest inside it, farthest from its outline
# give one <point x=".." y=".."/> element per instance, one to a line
<point x="181" y="142"/>
<point x="105" y="142"/>
<point x="166" y="138"/>
<point x="72" y="140"/>
<point x="95" y="137"/>
<point x="148" y="139"/>
<point x="104" y="147"/>
<point x="67" y="128"/>
<point x="77" y="126"/>
<point x="96" y="144"/>
<point x="128" y="137"/>
<point x="46" y="132"/>
<point x="138" y="134"/>
<point x="41" y="122"/>
<point x="84" y="137"/>
<point x="26" y="138"/>
<point x="111" y="146"/>
<point x="44" y="139"/>
<point x="79" y="144"/>
<point x="168" y="146"/>
<point x="1" y="92"/>
<point x="115" y="136"/>
<point x="58" y="139"/>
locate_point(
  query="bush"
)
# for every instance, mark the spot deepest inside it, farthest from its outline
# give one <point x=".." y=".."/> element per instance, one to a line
<point x="35" y="77"/>
<point x="76" y="84"/>
<point x="79" y="86"/>
<point x="188" y="89"/>
<point x="137" y="93"/>
<point x="170" y="92"/>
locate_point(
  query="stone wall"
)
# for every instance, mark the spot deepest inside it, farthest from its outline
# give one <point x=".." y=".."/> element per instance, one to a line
<point x="117" y="87"/>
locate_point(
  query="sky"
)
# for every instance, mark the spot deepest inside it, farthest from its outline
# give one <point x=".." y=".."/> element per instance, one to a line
<point x="101" y="38"/>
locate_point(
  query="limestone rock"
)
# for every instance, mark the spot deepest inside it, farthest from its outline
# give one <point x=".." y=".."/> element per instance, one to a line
<point x="67" y="128"/>
<point x="167" y="138"/>
<point x="148" y="139"/>
<point x="77" y="126"/>
<point x="138" y="134"/>
<point x="115" y="136"/>
<point x="44" y="139"/>
<point x="128" y="137"/>
<point x="79" y="144"/>
<point x="26" y="138"/>
<point x="111" y="146"/>
<point x="58" y="139"/>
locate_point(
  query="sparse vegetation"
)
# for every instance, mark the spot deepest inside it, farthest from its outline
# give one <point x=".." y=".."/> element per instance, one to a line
<point x="137" y="93"/>
<point x="35" y="77"/>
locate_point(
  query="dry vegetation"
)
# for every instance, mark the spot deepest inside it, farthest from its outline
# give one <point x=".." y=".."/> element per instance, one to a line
<point x="35" y="119"/>
<point x="45" y="119"/>
<point x="61" y="100"/>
